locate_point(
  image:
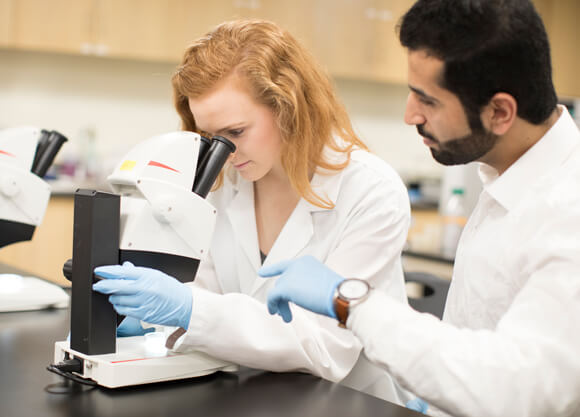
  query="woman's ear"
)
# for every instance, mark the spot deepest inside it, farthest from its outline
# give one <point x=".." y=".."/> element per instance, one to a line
<point x="500" y="113"/>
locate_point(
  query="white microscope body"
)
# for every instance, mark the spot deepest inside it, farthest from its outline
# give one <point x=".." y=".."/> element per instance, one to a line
<point x="161" y="219"/>
<point x="159" y="211"/>
<point x="25" y="155"/>
<point x="23" y="195"/>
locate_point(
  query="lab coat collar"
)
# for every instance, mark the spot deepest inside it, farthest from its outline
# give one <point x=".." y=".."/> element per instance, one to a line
<point x="296" y="233"/>
<point x="542" y="158"/>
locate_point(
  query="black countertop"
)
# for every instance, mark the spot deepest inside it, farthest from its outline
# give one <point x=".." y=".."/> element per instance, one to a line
<point x="28" y="389"/>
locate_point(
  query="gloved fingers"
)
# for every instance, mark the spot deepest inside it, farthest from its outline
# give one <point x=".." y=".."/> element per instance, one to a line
<point x="125" y="271"/>
<point x="275" y="269"/>
<point x="131" y="326"/>
<point x="417" y="404"/>
<point x="128" y="311"/>
<point x="278" y="304"/>
<point x="284" y="311"/>
<point x="111" y="286"/>
<point x="274" y="299"/>
<point x="125" y="300"/>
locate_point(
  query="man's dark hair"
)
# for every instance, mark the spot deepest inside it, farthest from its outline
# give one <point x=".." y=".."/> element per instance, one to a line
<point x="487" y="46"/>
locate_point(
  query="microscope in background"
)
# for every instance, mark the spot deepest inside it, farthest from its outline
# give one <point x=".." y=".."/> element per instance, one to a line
<point x="157" y="217"/>
<point x="26" y="153"/>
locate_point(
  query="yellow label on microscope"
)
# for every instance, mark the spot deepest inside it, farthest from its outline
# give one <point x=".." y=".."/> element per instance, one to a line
<point x="128" y="165"/>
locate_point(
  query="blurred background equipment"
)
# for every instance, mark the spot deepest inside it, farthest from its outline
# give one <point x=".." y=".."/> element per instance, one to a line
<point x="26" y="153"/>
<point x="108" y="85"/>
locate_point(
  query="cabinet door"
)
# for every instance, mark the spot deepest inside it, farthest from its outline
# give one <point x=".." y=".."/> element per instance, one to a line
<point x="197" y="17"/>
<point x="389" y="61"/>
<point x="564" y="36"/>
<point x="6" y="22"/>
<point x="561" y="21"/>
<point x="341" y="36"/>
<point x="56" y="25"/>
<point x="136" y="28"/>
<point x="357" y="38"/>
<point x="162" y="29"/>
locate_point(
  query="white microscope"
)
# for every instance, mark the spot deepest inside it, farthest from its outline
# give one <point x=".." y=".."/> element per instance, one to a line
<point x="26" y="153"/>
<point x="157" y="217"/>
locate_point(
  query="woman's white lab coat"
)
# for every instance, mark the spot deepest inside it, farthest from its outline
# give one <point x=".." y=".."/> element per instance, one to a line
<point x="362" y="236"/>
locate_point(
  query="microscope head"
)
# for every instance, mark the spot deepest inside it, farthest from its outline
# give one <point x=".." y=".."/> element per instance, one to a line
<point x="26" y="153"/>
<point x="164" y="223"/>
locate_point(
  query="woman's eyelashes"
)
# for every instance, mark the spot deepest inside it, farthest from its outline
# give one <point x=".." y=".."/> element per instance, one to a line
<point x="228" y="134"/>
<point x="235" y="133"/>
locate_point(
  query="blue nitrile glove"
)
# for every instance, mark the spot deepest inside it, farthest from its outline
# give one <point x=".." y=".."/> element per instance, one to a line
<point x="145" y="294"/>
<point x="417" y="404"/>
<point x="131" y="326"/>
<point x="304" y="281"/>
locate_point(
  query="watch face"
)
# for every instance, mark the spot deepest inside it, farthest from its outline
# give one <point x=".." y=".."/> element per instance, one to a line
<point x="352" y="289"/>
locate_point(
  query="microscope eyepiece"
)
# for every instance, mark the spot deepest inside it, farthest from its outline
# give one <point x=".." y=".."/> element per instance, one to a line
<point x="212" y="164"/>
<point x="48" y="146"/>
<point x="204" y="146"/>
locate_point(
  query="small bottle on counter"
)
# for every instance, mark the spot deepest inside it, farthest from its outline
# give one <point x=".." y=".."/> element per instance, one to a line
<point x="454" y="218"/>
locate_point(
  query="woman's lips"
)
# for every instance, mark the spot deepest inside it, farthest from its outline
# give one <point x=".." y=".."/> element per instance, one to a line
<point x="242" y="165"/>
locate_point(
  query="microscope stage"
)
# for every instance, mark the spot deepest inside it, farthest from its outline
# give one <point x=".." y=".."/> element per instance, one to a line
<point x="138" y="362"/>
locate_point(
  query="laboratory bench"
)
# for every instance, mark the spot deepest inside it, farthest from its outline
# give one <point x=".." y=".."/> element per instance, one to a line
<point x="28" y="389"/>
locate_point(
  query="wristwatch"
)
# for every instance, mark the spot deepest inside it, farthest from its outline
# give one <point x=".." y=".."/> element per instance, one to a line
<point x="348" y="294"/>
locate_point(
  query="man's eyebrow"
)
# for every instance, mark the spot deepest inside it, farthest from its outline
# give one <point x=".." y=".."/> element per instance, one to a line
<point x="423" y="94"/>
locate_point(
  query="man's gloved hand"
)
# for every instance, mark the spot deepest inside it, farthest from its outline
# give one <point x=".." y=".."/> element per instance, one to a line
<point x="417" y="404"/>
<point x="132" y="327"/>
<point x="145" y="294"/>
<point x="304" y="281"/>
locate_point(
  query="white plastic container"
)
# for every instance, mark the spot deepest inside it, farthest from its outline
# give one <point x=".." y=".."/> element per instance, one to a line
<point x="454" y="219"/>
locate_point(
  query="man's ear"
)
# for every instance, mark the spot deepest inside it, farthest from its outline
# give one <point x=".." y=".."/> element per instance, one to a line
<point x="500" y="113"/>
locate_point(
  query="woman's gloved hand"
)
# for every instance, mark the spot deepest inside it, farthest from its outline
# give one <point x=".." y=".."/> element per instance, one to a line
<point x="304" y="281"/>
<point x="417" y="404"/>
<point x="132" y="327"/>
<point x="145" y="294"/>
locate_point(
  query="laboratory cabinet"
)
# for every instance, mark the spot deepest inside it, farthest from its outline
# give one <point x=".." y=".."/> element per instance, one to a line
<point x="55" y="26"/>
<point x="5" y="22"/>
<point x="354" y="39"/>
<point x="561" y="19"/>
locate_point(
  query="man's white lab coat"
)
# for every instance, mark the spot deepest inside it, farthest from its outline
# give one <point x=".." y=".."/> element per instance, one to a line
<point x="509" y="343"/>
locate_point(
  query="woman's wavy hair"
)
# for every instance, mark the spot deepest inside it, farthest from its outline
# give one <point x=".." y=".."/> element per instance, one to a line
<point x="283" y="76"/>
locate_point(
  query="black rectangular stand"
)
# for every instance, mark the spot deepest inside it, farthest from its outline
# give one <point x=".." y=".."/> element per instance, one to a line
<point x="95" y="243"/>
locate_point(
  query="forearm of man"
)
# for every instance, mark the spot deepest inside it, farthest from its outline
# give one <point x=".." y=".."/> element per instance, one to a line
<point x="527" y="366"/>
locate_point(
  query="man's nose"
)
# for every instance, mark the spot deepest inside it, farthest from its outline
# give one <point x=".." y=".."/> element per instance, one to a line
<point x="413" y="114"/>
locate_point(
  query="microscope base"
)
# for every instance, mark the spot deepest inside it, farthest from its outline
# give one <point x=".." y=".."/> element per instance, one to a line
<point x="135" y="363"/>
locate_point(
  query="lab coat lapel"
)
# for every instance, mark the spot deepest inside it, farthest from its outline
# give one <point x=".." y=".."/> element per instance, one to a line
<point x="243" y="220"/>
<point x="295" y="235"/>
<point x="299" y="229"/>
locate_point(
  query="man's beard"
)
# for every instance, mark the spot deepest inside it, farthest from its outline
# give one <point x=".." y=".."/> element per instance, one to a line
<point x="462" y="150"/>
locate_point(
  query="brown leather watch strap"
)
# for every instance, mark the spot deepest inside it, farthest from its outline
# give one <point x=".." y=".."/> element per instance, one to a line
<point x="170" y="342"/>
<point x="341" y="310"/>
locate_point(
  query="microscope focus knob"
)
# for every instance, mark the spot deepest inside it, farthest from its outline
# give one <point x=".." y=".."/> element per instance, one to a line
<point x="67" y="270"/>
<point x="9" y="186"/>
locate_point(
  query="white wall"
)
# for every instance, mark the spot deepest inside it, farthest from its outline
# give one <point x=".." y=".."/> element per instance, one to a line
<point x="128" y="101"/>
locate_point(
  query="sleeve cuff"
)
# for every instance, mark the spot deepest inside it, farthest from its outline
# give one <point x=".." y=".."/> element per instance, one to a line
<point x="203" y="315"/>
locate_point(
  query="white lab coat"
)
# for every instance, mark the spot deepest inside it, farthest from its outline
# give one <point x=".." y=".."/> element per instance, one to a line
<point x="362" y="236"/>
<point x="509" y="343"/>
